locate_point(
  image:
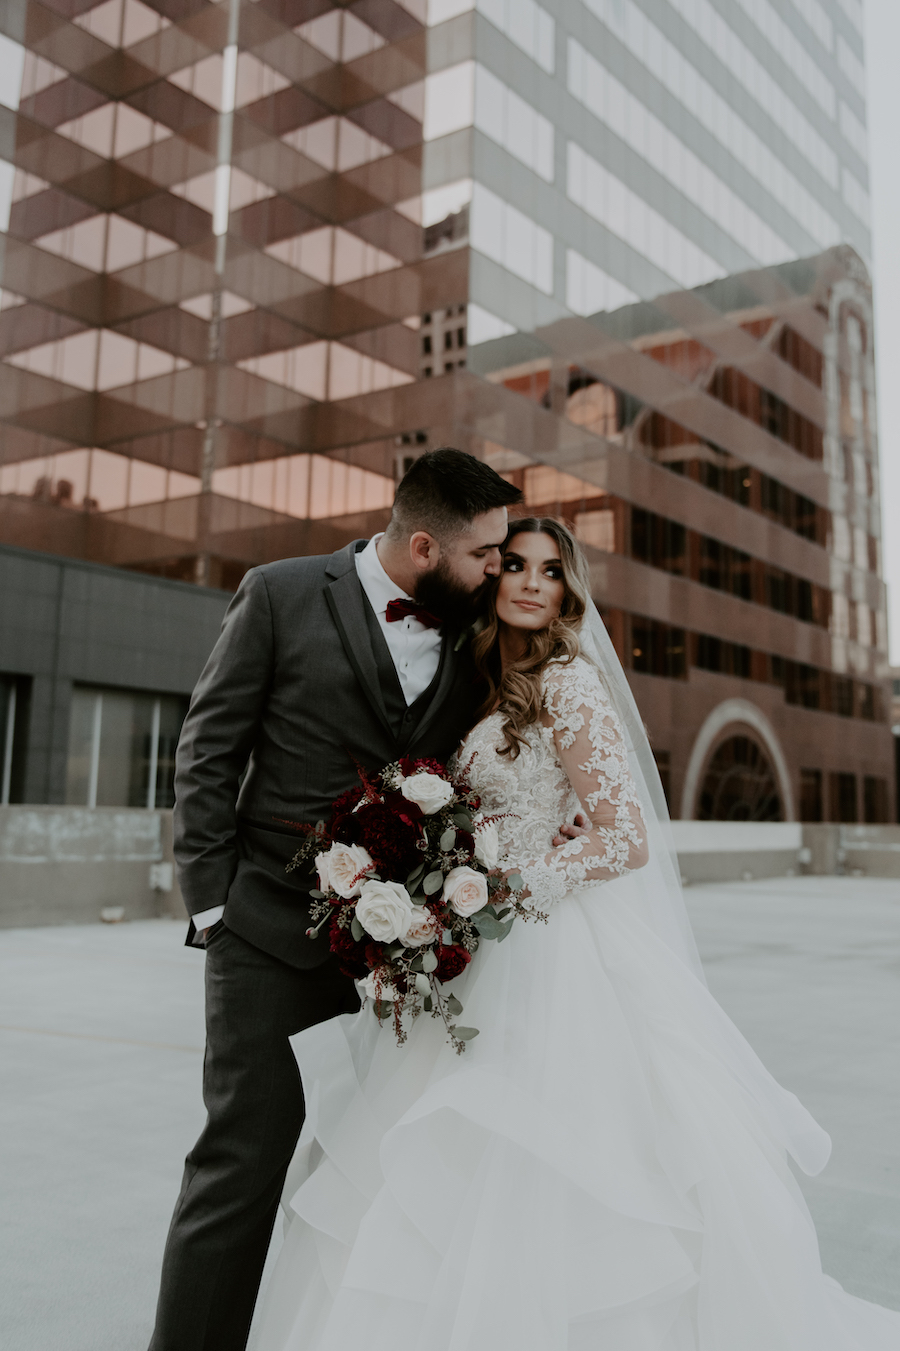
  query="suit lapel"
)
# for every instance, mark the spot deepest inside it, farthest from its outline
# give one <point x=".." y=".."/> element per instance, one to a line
<point x="344" y="597"/>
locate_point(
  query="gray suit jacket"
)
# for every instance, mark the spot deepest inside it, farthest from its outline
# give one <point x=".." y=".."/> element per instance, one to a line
<point x="299" y="686"/>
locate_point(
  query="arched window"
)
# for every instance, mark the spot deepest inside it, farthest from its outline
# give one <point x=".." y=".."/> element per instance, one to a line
<point x="740" y="784"/>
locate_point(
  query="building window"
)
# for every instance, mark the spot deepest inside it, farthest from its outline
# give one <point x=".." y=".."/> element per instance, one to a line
<point x="426" y="344"/>
<point x="843" y="702"/>
<point x="657" y="649"/>
<point x="843" y="805"/>
<point x="811" y="804"/>
<point x="122" y="748"/>
<point x="714" y="654"/>
<point x="875" y="801"/>
<point x="13" y="722"/>
<point x="740" y="785"/>
<point x="501" y="232"/>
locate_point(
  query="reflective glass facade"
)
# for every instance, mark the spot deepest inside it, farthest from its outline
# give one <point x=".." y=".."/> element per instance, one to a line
<point x="261" y="253"/>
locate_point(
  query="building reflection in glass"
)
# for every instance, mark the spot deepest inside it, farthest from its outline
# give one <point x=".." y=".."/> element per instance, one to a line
<point x="260" y="255"/>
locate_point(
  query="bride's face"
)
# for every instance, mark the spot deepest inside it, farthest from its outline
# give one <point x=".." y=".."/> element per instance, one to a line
<point x="531" y="588"/>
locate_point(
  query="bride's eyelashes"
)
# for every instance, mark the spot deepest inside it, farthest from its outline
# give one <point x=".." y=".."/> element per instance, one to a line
<point x="513" y="563"/>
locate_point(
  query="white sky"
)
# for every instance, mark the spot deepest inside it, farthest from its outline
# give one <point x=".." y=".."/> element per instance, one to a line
<point x="882" y="48"/>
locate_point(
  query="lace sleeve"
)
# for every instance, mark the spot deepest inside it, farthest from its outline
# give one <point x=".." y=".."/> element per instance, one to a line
<point x="591" y="749"/>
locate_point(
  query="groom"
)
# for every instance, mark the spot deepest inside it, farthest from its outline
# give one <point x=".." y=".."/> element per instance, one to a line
<point x="322" y="662"/>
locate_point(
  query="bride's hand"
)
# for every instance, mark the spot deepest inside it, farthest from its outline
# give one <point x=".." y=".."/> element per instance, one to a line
<point x="580" y="826"/>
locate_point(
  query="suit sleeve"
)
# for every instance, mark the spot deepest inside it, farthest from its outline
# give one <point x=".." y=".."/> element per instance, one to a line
<point x="216" y="740"/>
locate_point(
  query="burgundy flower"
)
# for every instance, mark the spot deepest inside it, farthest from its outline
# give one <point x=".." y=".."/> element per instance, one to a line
<point x="410" y="766"/>
<point x="374" y="956"/>
<point x="452" y="961"/>
<point x="342" y="816"/>
<point x="390" y="831"/>
<point x="350" y="954"/>
<point x="465" y="840"/>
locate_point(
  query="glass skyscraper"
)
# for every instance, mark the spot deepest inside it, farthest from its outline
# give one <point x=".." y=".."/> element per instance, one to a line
<point x="259" y="254"/>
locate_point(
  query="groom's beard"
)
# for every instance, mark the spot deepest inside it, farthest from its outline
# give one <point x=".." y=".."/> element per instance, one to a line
<point x="441" y="593"/>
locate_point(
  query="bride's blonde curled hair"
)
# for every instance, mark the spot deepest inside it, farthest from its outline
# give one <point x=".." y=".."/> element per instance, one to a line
<point x="518" y="692"/>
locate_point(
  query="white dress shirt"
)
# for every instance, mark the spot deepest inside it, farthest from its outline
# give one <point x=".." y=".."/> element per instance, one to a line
<point x="414" y="648"/>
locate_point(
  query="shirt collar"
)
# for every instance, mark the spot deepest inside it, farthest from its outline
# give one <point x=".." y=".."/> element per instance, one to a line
<point x="375" y="582"/>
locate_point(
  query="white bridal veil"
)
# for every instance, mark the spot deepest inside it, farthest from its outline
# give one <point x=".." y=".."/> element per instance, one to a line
<point x="657" y="887"/>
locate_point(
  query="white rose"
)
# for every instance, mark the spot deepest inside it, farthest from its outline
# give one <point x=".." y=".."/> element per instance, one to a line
<point x="384" y="910"/>
<point x="465" y="891"/>
<point x="487" y="844"/>
<point x="345" y="863"/>
<point x="422" y="928"/>
<point x="322" y="872"/>
<point x="428" y="791"/>
<point x="370" y="988"/>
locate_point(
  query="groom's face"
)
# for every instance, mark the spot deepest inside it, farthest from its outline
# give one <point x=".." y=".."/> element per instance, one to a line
<point x="455" y="586"/>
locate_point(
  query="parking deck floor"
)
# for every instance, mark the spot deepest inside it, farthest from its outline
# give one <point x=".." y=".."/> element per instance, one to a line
<point x="101" y="1037"/>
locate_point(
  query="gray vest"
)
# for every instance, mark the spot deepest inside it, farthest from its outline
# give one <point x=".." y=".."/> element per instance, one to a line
<point x="404" y="718"/>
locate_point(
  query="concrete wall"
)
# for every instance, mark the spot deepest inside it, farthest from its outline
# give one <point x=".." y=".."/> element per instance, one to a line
<point x="731" y="851"/>
<point x="723" y="851"/>
<point x="871" y="850"/>
<point x="64" y="622"/>
<point x="69" y="865"/>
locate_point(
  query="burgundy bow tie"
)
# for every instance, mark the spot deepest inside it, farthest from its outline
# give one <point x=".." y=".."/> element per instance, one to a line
<point x="401" y="609"/>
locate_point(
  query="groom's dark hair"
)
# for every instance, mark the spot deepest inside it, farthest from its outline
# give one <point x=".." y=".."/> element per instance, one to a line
<point x="443" y="491"/>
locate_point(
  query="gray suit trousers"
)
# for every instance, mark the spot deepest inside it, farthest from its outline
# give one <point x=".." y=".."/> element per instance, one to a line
<point x="233" y="1176"/>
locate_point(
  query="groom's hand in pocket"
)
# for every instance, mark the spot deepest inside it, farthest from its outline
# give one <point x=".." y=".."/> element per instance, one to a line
<point x="580" y="826"/>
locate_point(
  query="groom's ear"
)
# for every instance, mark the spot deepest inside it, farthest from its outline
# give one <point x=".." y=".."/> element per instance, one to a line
<point x="424" y="550"/>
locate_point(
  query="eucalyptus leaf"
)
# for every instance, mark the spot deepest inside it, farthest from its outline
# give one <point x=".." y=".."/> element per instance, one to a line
<point x="428" y="1003"/>
<point x="515" y="881"/>
<point x="423" y="985"/>
<point x="465" y="1033"/>
<point x="317" y="895"/>
<point x="433" y="882"/>
<point x="454" y="1006"/>
<point x="356" y="930"/>
<point x="448" y="839"/>
<point x="417" y="962"/>
<point x="463" y="820"/>
<point x="507" y="929"/>
<point x="383" y="1009"/>
<point x="488" y="926"/>
<point x="414" y="876"/>
<point x="429" y="961"/>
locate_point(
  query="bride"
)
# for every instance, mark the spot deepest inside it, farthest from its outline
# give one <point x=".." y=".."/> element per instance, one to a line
<point x="605" y="1168"/>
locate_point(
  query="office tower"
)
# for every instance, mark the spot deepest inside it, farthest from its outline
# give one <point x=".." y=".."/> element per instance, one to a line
<point x="262" y="253"/>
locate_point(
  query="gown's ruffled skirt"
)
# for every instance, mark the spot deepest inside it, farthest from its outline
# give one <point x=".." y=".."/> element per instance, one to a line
<point x="604" y="1169"/>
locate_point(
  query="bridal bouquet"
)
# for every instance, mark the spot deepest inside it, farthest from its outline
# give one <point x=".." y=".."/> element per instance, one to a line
<point x="409" y="885"/>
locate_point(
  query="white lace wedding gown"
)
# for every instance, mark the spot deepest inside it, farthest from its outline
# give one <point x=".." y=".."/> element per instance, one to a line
<point x="604" y="1169"/>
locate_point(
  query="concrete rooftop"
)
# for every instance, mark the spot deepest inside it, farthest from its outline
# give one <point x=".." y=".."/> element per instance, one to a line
<point x="101" y="1031"/>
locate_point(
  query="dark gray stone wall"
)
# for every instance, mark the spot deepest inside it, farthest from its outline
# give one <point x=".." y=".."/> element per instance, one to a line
<point x="63" y="622"/>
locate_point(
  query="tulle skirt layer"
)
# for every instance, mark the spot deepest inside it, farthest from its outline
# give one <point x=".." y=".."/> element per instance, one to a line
<point x="604" y="1169"/>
